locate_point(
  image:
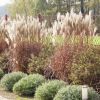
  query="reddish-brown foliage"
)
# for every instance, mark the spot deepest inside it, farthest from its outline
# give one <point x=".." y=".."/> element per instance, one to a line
<point x="62" y="60"/>
<point x="77" y="64"/>
<point x="3" y="45"/>
<point x="22" y="52"/>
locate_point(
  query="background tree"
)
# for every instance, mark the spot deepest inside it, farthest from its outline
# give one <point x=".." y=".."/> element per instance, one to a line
<point x="27" y="7"/>
<point x="51" y="7"/>
<point x="18" y="6"/>
<point x="94" y="5"/>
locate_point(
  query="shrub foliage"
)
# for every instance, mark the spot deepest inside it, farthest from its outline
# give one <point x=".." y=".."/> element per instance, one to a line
<point x="28" y="85"/>
<point x="22" y="52"/>
<point x="75" y="93"/>
<point x="77" y="64"/>
<point x="4" y="61"/>
<point x="48" y="90"/>
<point x="1" y="73"/>
<point x="38" y="63"/>
<point x="9" y="80"/>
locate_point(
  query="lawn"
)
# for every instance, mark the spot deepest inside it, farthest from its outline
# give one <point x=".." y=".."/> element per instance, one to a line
<point x="96" y="40"/>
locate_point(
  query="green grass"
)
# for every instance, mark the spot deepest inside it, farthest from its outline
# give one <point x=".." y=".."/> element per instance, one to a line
<point x="96" y="40"/>
<point x="71" y="39"/>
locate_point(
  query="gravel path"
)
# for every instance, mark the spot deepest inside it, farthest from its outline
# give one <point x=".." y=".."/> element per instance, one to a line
<point x="1" y="98"/>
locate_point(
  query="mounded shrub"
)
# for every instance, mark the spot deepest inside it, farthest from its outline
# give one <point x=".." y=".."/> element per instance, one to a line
<point x="10" y="79"/>
<point x="1" y="73"/>
<point x="28" y="85"/>
<point x="48" y="90"/>
<point x="75" y="93"/>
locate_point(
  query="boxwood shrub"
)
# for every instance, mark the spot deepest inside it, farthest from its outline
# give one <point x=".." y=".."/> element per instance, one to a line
<point x="1" y="73"/>
<point x="48" y="90"/>
<point x="10" y="79"/>
<point x="28" y="85"/>
<point x="75" y="93"/>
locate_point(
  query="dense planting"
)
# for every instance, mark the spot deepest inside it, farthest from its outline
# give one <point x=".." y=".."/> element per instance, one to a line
<point x="66" y="52"/>
<point x="86" y="68"/>
<point x="22" y="52"/>
<point x="38" y="63"/>
<point x="77" y="64"/>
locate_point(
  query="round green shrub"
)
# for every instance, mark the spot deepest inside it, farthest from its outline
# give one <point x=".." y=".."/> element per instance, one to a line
<point x="28" y="85"/>
<point x="10" y="79"/>
<point x="48" y="90"/>
<point x="75" y="93"/>
<point x="1" y="73"/>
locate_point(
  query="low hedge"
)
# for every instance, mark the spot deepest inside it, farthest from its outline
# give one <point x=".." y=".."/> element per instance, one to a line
<point x="48" y="90"/>
<point x="28" y="85"/>
<point x="75" y="93"/>
<point x="10" y="79"/>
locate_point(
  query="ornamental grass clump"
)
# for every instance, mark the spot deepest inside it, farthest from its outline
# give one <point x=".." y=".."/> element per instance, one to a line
<point x="27" y="86"/>
<point x="75" y="93"/>
<point x="26" y="41"/>
<point x="78" y="32"/>
<point x="48" y="90"/>
<point x="75" y="28"/>
<point x="29" y="28"/>
<point x="24" y="36"/>
<point x="10" y="79"/>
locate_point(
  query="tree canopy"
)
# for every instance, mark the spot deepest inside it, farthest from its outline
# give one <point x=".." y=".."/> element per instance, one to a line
<point x="47" y="7"/>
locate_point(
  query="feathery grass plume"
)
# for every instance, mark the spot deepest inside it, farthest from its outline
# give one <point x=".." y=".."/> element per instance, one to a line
<point x="25" y="36"/>
<point x="74" y="27"/>
<point x="30" y="28"/>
